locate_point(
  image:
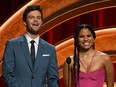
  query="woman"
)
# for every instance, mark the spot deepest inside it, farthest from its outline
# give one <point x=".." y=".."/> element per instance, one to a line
<point x="89" y="67"/>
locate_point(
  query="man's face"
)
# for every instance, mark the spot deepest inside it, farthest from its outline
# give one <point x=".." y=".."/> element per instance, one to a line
<point x="34" y="22"/>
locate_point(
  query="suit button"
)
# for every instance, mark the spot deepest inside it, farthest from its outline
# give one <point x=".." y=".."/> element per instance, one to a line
<point x="32" y="77"/>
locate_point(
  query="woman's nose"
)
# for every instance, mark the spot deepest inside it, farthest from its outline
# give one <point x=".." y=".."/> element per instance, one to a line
<point x="85" y="38"/>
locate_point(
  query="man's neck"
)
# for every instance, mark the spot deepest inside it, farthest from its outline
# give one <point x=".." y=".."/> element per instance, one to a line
<point x="32" y="36"/>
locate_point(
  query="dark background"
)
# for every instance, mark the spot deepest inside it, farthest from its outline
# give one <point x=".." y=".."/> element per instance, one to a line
<point x="9" y="7"/>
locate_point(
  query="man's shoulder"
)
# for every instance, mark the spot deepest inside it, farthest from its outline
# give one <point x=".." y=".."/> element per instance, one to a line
<point x="16" y="39"/>
<point x="46" y="43"/>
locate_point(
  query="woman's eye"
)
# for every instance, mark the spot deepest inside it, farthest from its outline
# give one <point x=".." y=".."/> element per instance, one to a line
<point x="81" y="36"/>
<point x="88" y="35"/>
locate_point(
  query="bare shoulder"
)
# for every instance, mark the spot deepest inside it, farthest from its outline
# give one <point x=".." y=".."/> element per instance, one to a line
<point x="103" y="56"/>
<point x="71" y="58"/>
<point x="71" y="64"/>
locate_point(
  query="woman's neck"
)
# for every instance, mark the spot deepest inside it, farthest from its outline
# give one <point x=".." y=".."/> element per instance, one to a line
<point x="87" y="52"/>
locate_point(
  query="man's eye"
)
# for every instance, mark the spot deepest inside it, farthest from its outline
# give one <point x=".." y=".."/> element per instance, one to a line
<point x="39" y="17"/>
<point x="31" y="17"/>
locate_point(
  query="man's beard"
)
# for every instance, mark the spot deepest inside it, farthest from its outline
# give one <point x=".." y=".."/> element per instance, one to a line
<point x="31" y="31"/>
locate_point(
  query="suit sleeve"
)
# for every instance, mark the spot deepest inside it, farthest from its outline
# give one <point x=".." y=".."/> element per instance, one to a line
<point x="8" y="66"/>
<point x="53" y="76"/>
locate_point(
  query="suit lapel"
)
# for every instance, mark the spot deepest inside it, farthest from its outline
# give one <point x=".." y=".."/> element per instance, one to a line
<point x="39" y="54"/>
<point x="26" y="51"/>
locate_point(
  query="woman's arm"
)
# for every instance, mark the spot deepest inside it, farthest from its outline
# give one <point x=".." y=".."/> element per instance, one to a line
<point x="109" y="71"/>
<point x="67" y="74"/>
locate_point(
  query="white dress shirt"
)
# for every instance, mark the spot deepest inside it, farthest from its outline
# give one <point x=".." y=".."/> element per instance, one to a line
<point x="35" y="44"/>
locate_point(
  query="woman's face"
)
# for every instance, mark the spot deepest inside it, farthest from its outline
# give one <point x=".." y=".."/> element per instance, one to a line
<point x="85" y="39"/>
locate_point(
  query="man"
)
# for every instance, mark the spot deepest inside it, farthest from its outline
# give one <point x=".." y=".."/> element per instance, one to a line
<point x="29" y="61"/>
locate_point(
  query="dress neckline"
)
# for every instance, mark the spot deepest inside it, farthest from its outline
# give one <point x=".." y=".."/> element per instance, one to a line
<point x="101" y="69"/>
<point x="88" y="68"/>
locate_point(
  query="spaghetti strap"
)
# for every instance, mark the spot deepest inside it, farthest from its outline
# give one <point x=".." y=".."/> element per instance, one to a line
<point x="88" y="68"/>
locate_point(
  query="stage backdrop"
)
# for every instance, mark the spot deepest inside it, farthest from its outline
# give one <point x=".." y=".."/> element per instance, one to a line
<point x="98" y="19"/>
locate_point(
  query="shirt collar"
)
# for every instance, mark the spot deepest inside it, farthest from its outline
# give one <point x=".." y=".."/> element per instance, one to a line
<point x="29" y="39"/>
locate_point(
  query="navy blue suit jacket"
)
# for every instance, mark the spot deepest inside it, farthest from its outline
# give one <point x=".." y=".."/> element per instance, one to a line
<point x="17" y="65"/>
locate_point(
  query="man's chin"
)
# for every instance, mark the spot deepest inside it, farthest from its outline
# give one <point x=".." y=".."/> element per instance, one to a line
<point x="33" y="33"/>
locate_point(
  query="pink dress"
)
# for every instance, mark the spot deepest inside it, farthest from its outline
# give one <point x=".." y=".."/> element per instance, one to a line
<point x="91" y="79"/>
